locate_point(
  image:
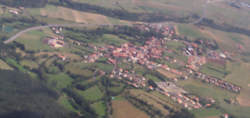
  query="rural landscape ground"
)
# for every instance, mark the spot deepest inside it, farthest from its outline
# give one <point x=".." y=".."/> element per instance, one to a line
<point x="125" y="59"/>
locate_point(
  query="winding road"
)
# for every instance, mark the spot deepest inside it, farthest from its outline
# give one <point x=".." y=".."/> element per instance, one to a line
<point x="47" y="26"/>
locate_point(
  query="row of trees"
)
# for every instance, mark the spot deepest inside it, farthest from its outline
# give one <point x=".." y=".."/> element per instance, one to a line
<point x="25" y="3"/>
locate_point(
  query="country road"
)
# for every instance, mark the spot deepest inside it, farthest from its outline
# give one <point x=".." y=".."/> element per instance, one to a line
<point x="47" y="26"/>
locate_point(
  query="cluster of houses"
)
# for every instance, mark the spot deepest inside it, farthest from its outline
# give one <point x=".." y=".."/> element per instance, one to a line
<point x="152" y="50"/>
<point x="56" y="30"/>
<point x="163" y="29"/>
<point x="179" y="95"/>
<point x="129" y="77"/>
<point x="218" y="82"/>
<point x="55" y="42"/>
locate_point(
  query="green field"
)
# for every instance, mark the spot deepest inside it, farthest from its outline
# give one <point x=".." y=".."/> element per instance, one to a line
<point x="207" y="112"/>
<point x="15" y="64"/>
<point x="205" y="90"/>
<point x="59" y="81"/>
<point x="33" y="41"/>
<point x="99" y="108"/>
<point x="65" y="102"/>
<point x="29" y="63"/>
<point x="214" y="70"/>
<point x="91" y="94"/>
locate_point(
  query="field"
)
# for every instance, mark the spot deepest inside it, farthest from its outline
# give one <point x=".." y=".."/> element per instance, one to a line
<point x="99" y="107"/>
<point x="65" y="102"/>
<point x="59" y="81"/>
<point x="4" y="66"/>
<point x="29" y="63"/>
<point x="198" y="88"/>
<point x="123" y="109"/>
<point x="190" y="31"/>
<point x="207" y="113"/>
<point x="214" y="70"/>
<point x="155" y="99"/>
<point x="91" y="94"/>
<point x="33" y="41"/>
<point x="240" y="76"/>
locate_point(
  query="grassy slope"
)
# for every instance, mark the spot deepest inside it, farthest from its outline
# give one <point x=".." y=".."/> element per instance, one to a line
<point x="91" y="94"/>
<point x="123" y="109"/>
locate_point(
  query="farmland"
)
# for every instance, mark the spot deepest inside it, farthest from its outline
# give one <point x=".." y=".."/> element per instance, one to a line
<point x="124" y="109"/>
<point x="91" y="94"/>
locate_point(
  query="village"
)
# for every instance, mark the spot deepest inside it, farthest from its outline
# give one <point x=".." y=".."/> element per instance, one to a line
<point x="146" y="54"/>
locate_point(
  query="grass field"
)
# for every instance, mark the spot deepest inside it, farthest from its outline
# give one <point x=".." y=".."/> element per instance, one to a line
<point x="33" y="41"/>
<point x="214" y="70"/>
<point x="64" y="101"/>
<point x="59" y="81"/>
<point x="154" y="99"/>
<point x="240" y="76"/>
<point x="29" y="63"/>
<point x="190" y="31"/>
<point x="79" y="69"/>
<point x="99" y="108"/>
<point x="4" y="66"/>
<point x="15" y="64"/>
<point x="198" y="88"/>
<point x="67" y="14"/>
<point x="207" y="113"/>
<point x="91" y="94"/>
<point x="123" y="109"/>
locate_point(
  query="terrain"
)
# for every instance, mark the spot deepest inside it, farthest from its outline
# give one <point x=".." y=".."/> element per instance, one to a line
<point x="119" y="59"/>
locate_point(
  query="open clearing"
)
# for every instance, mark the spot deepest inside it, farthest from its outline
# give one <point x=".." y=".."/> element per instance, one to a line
<point x="123" y="109"/>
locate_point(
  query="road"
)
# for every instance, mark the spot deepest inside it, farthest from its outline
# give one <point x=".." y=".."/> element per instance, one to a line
<point x="47" y="26"/>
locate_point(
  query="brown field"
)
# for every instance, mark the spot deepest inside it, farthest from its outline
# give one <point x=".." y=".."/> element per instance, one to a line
<point x="123" y="109"/>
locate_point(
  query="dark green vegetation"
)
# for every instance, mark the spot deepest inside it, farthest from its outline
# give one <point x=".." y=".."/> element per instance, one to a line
<point x="23" y="97"/>
<point x="24" y="3"/>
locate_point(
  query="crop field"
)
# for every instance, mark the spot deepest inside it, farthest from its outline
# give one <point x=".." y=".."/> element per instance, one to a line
<point x="59" y="81"/>
<point x="91" y="94"/>
<point x="214" y="70"/>
<point x="5" y="66"/>
<point x="124" y="109"/>
<point x="156" y="100"/>
<point x="99" y="108"/>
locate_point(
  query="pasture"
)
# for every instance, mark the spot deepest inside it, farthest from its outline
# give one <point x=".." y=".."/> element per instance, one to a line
<point x="124" y="109"/>
<point x="59" y="81"/>
<point x="196" y="87"/>
<point x="91" y="94"/>
<point x="99" y="108"/>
